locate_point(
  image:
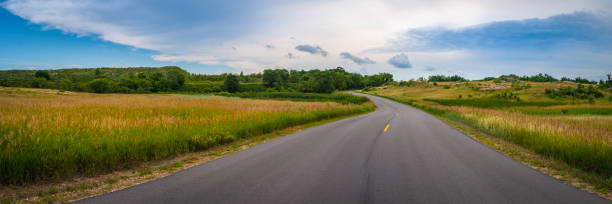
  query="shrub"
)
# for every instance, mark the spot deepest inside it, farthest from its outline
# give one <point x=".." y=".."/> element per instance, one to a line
<point x="231" y="84"/>
<point x="42" y="74"/>
<point x="102" y="85"/>
<point x="342" y="98"/>
<point x="579" y="92"/>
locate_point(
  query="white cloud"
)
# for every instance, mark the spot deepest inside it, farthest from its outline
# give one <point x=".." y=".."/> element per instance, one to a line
<point x="186" y="58"/>
<point x="205" y="32"/>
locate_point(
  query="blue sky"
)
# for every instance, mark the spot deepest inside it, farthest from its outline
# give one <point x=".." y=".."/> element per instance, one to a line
<point x="407" y="38"/>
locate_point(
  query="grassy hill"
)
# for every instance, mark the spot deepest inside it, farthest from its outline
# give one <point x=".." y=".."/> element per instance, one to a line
<point x="565" y="121"/>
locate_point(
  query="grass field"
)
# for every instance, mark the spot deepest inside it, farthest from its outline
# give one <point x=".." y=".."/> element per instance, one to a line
<point x="47" y="135"/>
<point x="578" y="132"/>
<point x="343" y="98"/>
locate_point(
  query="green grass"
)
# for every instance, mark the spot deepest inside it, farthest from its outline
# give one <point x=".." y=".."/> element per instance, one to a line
<point x="568" y="111"/>
<point x="582" y="153"/>
<point x="56" y="137"/>
<point x="492" y="102"/>
<point x="577" y="133"/>
<point x="342" y="98"/>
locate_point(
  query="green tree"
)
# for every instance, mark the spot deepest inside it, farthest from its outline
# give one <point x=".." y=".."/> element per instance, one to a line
<point x="323" y="83"/>
<point x="65" y="84"/>
<point x="276" y="78"/>
<point x="231" y="84"/>
<point x="42" y="74"/>
<point x="102" y="85"/>
<point x="175" y="79"/>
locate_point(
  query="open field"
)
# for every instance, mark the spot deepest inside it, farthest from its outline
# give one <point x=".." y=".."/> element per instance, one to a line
<point x="342" y="98"/>
<point x="47" y="134"/>
<point x="575" y="131"/>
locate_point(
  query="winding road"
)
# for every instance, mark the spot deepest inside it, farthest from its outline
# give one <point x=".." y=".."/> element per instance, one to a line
<point x="397" y="154"/>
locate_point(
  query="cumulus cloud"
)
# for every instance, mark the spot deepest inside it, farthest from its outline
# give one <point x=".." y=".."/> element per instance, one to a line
<point x="578" y="29"/>
<point x="400" y="61"/>
<point x="311" y="49"/>
<point x="193" y="31"/>
<point x="290" y="55"/>
<point x="356" y="59"/>
<point x="186" y="58"/>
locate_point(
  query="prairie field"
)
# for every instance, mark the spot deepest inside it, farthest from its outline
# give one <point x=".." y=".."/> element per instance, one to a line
<point x="575" y="131"/>
<point x="48" y="134"/>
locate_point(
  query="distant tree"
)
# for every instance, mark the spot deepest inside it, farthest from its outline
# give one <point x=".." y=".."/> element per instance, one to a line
<point x="276" y="78"/>
<point x="64" y="84"/>
<point x="269" y="77"/>
<point x="231" y="84"/>
<point x="439" y="78"/>
<point x="323" y="83"/>
<point x="102" y="85"/>
<point x="489" y="78"/>
<point x="42" y="74"/>
<point x="141" y="75"/>
<point x="175" y="79"/>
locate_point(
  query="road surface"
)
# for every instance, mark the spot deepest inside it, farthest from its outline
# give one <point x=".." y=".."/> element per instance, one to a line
<point x="397" y="154"/>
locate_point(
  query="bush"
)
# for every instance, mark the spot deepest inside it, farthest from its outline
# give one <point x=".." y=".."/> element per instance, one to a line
<point x="102" y="85"/>
<point x="42" y="74"/>
<point x="579" y="92"/>
<point x="438" y="78"/>
<point x="231" y="84"/>
<point x="297" y="96"/>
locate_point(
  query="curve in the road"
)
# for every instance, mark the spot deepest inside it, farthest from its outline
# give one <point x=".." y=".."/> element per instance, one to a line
<point x="397" y="154"/>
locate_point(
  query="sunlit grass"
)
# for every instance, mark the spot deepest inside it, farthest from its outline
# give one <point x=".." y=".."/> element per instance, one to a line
<point x="574" y="131"/>
<point x="46" y="136"/>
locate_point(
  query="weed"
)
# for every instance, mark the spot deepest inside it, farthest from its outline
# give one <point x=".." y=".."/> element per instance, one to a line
<point x="52" y="191"/>
<point x="112" y="181"/>
<point x="145" y="172"/>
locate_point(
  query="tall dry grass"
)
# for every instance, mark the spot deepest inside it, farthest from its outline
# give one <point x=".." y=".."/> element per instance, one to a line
<point x="583" y="141"/>
<point x="579" y="134"/>
<point x="45" y="136"/>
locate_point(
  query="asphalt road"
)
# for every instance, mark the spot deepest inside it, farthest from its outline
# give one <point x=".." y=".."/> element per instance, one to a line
<point x="418" y="159"/>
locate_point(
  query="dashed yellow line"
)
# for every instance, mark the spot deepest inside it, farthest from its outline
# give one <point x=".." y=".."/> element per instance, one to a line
<point x="387" y="127"/>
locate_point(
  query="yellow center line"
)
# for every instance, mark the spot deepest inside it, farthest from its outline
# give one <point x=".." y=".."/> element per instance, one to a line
<point x="387" y="127"/>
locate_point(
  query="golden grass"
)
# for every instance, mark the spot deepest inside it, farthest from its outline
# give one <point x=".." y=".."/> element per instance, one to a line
<point x="44" y="135"/>
<point x="581" y="138"/>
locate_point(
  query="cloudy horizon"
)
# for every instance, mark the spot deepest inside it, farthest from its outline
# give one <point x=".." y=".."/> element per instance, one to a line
<point x="409" y="39"/>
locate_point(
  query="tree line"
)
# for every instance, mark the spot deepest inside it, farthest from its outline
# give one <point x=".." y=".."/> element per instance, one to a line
<point x="169" y="79"/>
<point x="320" y="81"/>
<point x="99" y="80"/>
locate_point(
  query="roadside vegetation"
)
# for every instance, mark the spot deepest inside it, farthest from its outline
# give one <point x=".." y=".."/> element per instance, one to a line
<point x="53" y="132"/>
<point x="564" y="120"/>
<point x="52" y="135"/>
<point x="342" y="98"/>
<point x="174" y="79"/>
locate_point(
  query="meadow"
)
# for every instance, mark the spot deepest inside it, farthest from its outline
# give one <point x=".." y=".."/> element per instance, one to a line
<point x="342" y="98"/>
<point x="50" y="135"/>
<point x="573" y="130"/>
